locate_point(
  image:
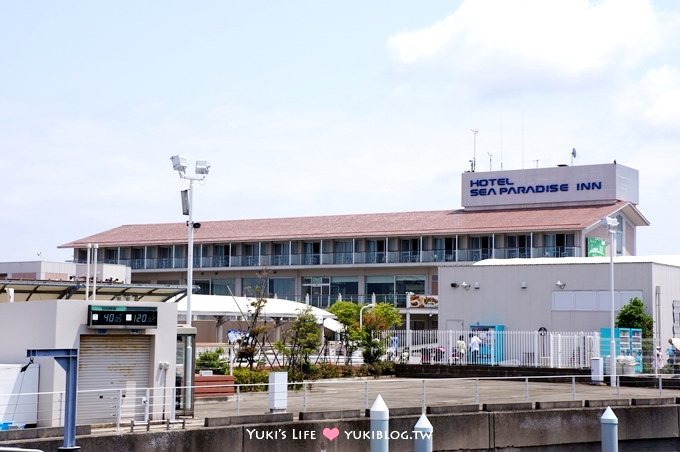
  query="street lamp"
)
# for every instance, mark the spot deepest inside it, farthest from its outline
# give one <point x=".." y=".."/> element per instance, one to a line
<point x="611" y="224"/>
<point x="361" y="311"/>
<point x="179" y="164"/>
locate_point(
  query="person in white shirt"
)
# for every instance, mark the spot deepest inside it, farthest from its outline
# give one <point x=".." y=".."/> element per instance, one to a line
<point x="473" y="348"/>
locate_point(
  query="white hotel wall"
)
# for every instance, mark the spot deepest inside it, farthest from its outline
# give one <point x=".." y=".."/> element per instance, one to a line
<point x="58" y="324"/>
<point x="501" y="299"/>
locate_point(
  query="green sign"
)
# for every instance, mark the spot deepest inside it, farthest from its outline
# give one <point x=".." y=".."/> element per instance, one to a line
<point x="596" y="247"/>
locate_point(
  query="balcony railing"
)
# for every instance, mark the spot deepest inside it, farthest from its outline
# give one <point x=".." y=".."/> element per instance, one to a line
<point x="350" y="258"/>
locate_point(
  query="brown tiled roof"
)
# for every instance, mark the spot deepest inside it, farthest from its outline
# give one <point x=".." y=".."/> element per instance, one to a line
<point x="439" y="222"/>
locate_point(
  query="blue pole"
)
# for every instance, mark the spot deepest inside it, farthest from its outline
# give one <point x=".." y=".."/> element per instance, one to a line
<point x="609" y="424"/>
<point x="423" y="435"/>
<point x="380" y="421"/>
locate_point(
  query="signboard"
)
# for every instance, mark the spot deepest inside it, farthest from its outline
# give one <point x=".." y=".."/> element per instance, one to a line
<point x="596" y="247"/>
<point x="558" y="185"/>
<point x="132" y="317"/>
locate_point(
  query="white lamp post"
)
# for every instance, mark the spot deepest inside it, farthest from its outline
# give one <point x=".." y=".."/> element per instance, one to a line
<point x="361" y="312"/>
<point x="611" y="224"/>
<point x="179" y="164"/>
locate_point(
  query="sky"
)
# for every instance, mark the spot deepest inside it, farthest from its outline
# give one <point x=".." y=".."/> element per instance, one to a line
<point x="308" y="108"/>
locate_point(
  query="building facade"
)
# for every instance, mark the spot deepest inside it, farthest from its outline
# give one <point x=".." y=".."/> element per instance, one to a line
<point x="523" y="214"/>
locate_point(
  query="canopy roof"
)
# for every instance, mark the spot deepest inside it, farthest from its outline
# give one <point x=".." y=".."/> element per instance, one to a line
<point x="53" y="290"/>
<point x="221" y="305"/>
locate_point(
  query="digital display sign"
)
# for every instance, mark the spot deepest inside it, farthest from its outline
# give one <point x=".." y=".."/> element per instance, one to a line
<point x="133" y="317"/>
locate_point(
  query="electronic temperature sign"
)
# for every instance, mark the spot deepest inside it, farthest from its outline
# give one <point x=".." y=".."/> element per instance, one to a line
<point x="132" y="317"/>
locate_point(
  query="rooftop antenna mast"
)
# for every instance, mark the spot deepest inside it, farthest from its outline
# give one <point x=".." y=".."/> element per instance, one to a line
<point x="490" y="154"/>
<point x="474" y="155"/>
<point x="573" y="155"/>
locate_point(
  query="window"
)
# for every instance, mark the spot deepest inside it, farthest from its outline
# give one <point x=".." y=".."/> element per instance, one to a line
<point x="223" y="286"/>
<point x="347" y="286"/>
<point x="408" y="283"/>
<point x="480" y="248"/>
<point x="375" y="251"/>
<point x="444" y="249"/>
<point x="409" y="250"/>
<point x="559" y="245"/>
<point x="282" y="288"/>
<point x="312" y="253"/>
<point x="254" y="287"/>
<point x="342" y="252"/>
<point x="518" y="246"/>
<point x="382" y="287"/>
<point x="281" y="253"/>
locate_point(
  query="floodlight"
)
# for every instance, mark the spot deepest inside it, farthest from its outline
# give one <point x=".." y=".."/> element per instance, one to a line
<point x="610" y="222"/>
<point x="202" y="166"/>
<point x="179" y="163"/>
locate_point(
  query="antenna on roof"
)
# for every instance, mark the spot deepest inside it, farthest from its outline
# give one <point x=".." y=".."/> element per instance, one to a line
<point x="573" y="155"/>
<point x="474" y="150"/>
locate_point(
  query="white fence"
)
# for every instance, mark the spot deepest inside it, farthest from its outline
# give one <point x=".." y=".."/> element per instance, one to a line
<point x="566" y="350"/>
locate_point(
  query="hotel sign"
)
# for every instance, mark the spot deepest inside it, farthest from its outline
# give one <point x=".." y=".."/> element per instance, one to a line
<point x="568" y="185"/>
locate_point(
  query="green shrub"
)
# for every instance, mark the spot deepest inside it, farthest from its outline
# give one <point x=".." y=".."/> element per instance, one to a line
<point x="212" y="360"/>
<point x="245" y="376"/>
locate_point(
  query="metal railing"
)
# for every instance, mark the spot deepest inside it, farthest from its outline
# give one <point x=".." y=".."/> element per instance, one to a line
<point x="119" y="407"/>
<point x="349" y="257"/>
<point x="566" y="350"/>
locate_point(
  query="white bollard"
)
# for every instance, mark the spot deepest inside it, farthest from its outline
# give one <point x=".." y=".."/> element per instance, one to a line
<point x="423" y="435"/>
<point x="609" y="424"/>
<point x="380" y="421"/>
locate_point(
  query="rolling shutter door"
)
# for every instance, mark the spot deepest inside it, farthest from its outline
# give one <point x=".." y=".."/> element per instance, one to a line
<point x="106" y="365"/>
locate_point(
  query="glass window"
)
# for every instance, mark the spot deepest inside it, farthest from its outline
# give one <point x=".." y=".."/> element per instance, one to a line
<point x="203" y="286"/>
<point x="282" y="288"/>
<point x="382" y="287"/>
<point x="254" y="287"/>
<point x="222" y="286"/>
<point x="348" y="287"/>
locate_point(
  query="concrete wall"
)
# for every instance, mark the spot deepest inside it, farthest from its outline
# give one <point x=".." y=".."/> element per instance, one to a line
<point x="497" y="427"/>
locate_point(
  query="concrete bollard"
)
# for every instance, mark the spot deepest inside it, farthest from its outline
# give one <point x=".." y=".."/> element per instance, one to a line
<point x="423" y="435"/>
<point x="609" y="424"/>
<point x="380" y="422"/>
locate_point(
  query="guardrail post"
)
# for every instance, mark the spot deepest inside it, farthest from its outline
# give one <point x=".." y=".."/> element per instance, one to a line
<point x="238" y="400"/>
<point x="573" y="387"/>
<point x="423" y="435"/>
<point x="119" y="413"/>
<point x="424" y="401"/>
<point x="476" y="390"/>
<point x="146" y="402"/>
<point x="380" y="421"/>
<point x="609" y="425"/>
<point x="526" y="385"/>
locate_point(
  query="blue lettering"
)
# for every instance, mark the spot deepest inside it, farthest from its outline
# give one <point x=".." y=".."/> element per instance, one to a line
<point x="564" y="187"/>
<point x="474" y="191"/>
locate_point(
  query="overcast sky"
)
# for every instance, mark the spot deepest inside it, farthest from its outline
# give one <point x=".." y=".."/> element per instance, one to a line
<point x="320" y="108"/>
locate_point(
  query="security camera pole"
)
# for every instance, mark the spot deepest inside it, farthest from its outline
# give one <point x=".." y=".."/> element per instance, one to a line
<point x="611" y="224"/>
<point x="179" y="164"/>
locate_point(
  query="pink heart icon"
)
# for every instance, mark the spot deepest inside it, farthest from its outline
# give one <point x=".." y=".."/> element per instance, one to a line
<point x="331" y="433"/>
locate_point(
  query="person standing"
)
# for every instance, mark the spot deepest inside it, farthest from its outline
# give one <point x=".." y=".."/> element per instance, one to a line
<point x="461" y="349"/>
<point x="473" y="347"/>
<point x="658" y="360"/>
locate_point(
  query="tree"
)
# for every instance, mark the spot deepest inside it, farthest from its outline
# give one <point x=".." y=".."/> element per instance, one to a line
<point x="301" y="340"/>
<point x="633" y="315"/>
<point x="250" y="344"/>
<point x="347" y="313"/>
<point x="382" y="317"/>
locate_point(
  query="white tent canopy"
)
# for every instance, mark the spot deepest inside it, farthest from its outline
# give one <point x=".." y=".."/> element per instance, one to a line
<point x="228" y="306"/>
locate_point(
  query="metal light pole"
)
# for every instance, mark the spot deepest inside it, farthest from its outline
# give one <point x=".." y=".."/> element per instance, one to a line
<point x="361" y="314"/>
<point x="611" y="224"/>
<point x="179" y="164"/>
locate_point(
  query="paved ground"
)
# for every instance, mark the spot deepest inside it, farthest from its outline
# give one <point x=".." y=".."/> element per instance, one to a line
<point x="360" y="394"/>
